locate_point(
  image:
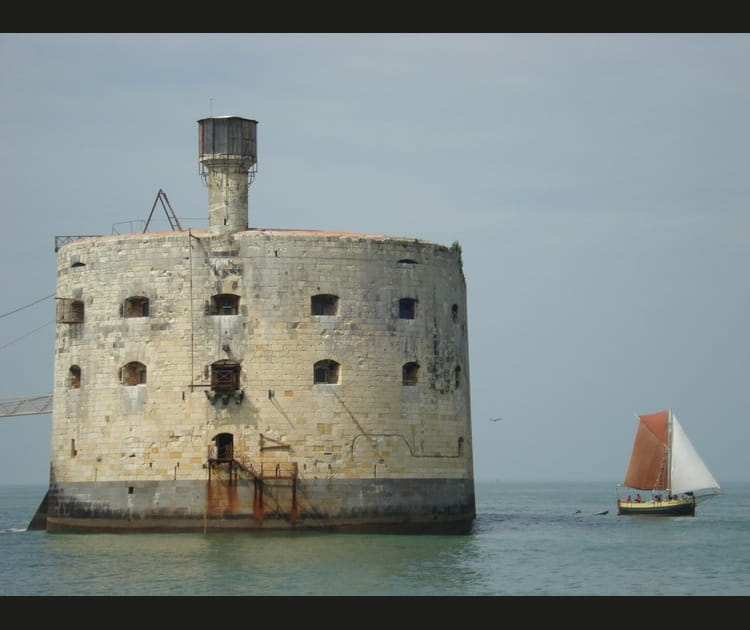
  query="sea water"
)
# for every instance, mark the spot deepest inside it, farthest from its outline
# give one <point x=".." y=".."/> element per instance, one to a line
<point x="528" y="539"/>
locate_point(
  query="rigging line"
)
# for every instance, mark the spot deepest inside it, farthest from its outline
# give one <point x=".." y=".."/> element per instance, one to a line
<point x="27" y="334"/>
<point x="27" y="306"/>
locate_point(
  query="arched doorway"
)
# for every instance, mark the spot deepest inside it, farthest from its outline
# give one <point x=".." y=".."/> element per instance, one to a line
<point x="224" y="447"/>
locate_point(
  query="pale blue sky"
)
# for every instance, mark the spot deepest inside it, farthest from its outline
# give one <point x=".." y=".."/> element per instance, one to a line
<point x="597" y="183"/>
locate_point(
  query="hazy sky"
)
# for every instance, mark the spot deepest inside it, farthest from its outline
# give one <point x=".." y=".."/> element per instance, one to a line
<point x="598" y="184"/>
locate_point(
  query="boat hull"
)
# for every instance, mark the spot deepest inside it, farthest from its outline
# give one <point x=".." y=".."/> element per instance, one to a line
<point x="674" y="507"/>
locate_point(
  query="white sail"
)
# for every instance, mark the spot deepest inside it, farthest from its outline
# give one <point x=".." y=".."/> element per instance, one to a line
<point x="689" y="473"/>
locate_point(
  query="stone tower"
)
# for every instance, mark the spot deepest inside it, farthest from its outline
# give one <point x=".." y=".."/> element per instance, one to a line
<point x="228" y="158"/>
<point x="248" y="378"/>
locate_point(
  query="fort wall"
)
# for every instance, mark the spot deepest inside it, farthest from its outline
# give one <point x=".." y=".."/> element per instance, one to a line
<point x="357" y="405"/>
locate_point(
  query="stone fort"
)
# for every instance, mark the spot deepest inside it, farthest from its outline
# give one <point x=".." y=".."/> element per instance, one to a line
<point x="241" y="378"/>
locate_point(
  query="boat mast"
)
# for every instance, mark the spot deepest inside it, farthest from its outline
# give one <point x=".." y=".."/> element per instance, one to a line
<point x="669" y="451"/>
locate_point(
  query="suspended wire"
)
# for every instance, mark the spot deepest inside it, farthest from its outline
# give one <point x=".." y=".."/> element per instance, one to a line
<point x="20" y="308"/>
<point x="27" y="334"/>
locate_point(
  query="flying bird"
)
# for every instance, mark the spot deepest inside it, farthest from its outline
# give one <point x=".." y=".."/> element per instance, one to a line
<point x="495" y="419"/>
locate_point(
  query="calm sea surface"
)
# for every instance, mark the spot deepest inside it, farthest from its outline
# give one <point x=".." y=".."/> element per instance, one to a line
<point x="528" y="539"/>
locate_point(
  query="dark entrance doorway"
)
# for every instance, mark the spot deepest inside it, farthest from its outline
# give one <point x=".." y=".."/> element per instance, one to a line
<point x="224" y="447"/>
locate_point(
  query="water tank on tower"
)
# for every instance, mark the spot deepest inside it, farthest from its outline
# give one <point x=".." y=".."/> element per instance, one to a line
<point x="228" y="155"/>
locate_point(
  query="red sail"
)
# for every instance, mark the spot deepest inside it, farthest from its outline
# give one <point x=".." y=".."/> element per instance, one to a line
<point x="649" y="462"/>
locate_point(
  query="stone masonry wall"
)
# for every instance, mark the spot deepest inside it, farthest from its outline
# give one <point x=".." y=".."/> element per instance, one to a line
<point x="368" y="425"/>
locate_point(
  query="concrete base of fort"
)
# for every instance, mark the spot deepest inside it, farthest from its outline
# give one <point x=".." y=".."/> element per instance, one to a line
<point x="397" y="506"/>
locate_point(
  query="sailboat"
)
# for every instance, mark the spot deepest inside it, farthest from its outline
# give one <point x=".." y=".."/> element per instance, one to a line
<point x="665" y="464"/>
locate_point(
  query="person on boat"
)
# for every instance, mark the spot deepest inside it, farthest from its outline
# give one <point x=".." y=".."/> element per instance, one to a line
<point x="638" y="498"/>
<point x="629" y="499"/>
